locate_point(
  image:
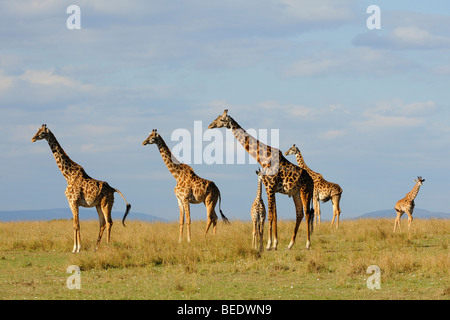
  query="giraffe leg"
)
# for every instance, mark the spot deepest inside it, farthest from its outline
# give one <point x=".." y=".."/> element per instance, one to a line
<point x="76" y="228"/>
<point x="336" y="209"/>
<point x="316" y="203"/>
<point x="214" y="221"/>
<point x="187" y="211"/>
<point x="101" y="218"/>
<point x="254" y="235"/>
<point x="211" y="216"/>
<point x="272" y="217"/>
<point x="298" y="215"/>
<point x="261" y="233"/>
<point x="181" y="207"/>
<point x="410" y="219"/>
<point x="397" y="220"/>
<point x="306" y="200"/>
<point x="106" y="208"/>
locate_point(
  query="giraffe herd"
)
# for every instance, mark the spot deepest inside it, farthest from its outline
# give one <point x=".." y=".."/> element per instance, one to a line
<point x="278" y="175"/>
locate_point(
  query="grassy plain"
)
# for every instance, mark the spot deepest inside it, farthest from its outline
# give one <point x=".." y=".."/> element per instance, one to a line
<point x="145" y="261"/>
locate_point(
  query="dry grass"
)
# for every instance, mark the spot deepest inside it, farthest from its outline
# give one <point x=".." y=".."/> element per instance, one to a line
<point x="145" y="261"/>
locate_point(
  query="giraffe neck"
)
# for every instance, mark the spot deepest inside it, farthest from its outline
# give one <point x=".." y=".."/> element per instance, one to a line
<point x="65" y="164"/>
<point x="301" y="163"/>
<point x="169" y="159"/>
<point x="413" y="193"/>
<point x="258" y="150"/>
<point x="259" y="191"/>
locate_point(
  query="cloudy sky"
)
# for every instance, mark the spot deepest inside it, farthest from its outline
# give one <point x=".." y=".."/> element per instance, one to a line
<point x="369" y="109"/>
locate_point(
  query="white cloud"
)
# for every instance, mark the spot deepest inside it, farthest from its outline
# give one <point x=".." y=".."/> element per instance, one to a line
<point x="399" y="108"/>
<point x="396" y="114"/>
<point x="313" y="66"/>
<point x="32" y="8"/>
<point x="321" y="11"/>
<point x="420" y="108"/>
<point x="287" y="109"/>
<point x="5" y="81"/>
<point x="165" y="35"/>
<point x="376" y="121"/>
<point x="359" y="61"/>
<point x="409" y="31"/>
<point x="49" y="78"/>
<point x="332" y="134"/>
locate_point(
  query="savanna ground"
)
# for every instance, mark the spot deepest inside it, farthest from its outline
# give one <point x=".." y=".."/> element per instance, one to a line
<point x="145" y="261"/>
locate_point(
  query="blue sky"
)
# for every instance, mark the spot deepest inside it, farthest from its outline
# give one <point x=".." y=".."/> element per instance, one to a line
<point x="369" y="109"/>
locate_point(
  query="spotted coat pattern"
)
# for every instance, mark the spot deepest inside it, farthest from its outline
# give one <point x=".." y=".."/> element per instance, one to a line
<point x="258" y="213"/>
<point x="82" y="190"/>
<point x="279" y="176"/>
<point x="190" y="188"/>
<point x="407" y="204"/>
<point x="323" y="190"/>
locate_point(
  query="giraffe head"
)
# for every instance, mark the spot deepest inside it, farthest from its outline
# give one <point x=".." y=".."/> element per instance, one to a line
<point x="42" y="133"/>
<point x="419" y="180"/>
<point x="292" y="150"/>
<point x="152" y="138"/>
<point x="222" y="121"/>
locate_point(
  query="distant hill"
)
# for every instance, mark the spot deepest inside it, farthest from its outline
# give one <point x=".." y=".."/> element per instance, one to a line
<point x="418" y="213"/>
<point x="66" y="213"/>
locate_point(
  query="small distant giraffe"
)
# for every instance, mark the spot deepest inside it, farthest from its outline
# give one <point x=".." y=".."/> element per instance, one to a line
<point x="407" y="204"/>
<point x="323" y="190"/>
<point x="280" y="176"/>
<point x="190" y="188"/>
<point x="258" y="213"/>
<point x="82" y="190"/>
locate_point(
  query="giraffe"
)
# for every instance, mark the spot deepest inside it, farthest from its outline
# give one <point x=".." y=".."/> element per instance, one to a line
<point x="323" y="190"/>
<point x="258" y="213"/>
<point x="407" y="204"/>
<point x="279" y="176"/>
<point x="82" y="190"/>
<point x="190" y="188"/>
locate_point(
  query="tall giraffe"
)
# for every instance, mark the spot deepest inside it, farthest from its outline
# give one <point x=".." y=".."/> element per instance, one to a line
<point x="323" y="190"/>
<point x="258" y="213"/>
<point x="82" y="190"/>
<point x="279" y="176"/>
<point x="190" y="188"/>
<point x="407" y="204"/>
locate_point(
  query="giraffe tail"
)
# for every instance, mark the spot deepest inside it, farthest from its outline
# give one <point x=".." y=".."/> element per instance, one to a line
<point x="225" y="219"/>
<point x="127" y="210"/>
